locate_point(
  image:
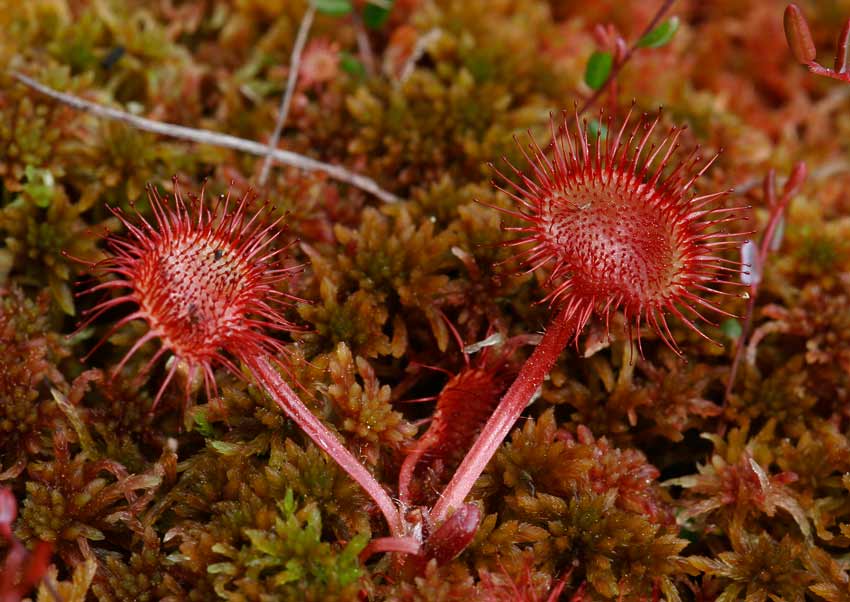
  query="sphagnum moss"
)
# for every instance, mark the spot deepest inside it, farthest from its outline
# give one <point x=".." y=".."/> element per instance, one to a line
<point x="440" y="88"/>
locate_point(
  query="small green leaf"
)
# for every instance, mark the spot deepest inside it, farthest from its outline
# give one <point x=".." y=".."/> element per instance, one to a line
<point x="225" y="448"/>
<point x="660" y="35"/>
<point x="376" y="13"/>
<point x="62" y="294"/>
<point x="226" y="568"/>
<point x="598" y="69"/>
<point x="731" y="328"/>
<point x="335" y="8"/>
<point x="351" y="65"/>
<point x="203" y="425"/>
<point x="595" y="130"/>
<point x="288" y="506"/>
<point x="39" y="186"/>
<point x="294" y="572"/>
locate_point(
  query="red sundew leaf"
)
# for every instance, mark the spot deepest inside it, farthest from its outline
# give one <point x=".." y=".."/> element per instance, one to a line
<point x="798" y="35"/>
<point x="21" y="570"/>
<point x="463" y="406"/>
<point x="37" y="564"/>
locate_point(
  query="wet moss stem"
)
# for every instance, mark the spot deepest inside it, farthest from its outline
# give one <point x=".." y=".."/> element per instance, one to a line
<point x="516" y="399"/>
<point x="269" y="378"/>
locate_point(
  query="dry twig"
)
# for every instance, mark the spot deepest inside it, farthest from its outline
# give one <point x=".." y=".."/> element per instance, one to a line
<point x="286" y="99"/>
<point x="290" y="158"/>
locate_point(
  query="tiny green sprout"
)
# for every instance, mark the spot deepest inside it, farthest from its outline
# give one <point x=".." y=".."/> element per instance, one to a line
<point x="335" y="8"/>
<point x="731" y="328"/>
<point x="39" y="186"/>
<point x="597" y="129"/>
<point x="288" y="503"/>
<point x="225" y="448"/>
<point x="376" y="13"/>
<point x="660" y="35"/>
<point x="352" y="65"/>
<point x="202" y="424"/>
<point x="598" y="69"/>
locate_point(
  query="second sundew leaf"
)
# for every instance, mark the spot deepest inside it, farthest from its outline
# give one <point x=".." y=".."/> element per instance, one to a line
<point x="598" y="69"/>
<point x="463" y="406"/>
<point x="660" y="35"/>
<point x="376" y="13"/>
<point x="335" y="8"/>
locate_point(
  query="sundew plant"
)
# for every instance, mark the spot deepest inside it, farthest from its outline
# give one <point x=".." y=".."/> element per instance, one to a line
<point x="424" y="300"/>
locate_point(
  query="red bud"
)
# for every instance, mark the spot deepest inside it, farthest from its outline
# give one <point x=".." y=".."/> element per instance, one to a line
<point x="798" y="35"/>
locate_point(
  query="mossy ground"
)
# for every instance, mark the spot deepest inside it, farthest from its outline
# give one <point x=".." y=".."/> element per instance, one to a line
<point x="629" y="478"/>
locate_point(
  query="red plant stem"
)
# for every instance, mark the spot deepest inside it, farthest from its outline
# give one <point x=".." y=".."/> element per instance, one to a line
<point x="530" y="377"/>
<point x="291" y="404"/>
<point x="841" y="51"/>
<point x="777" y="211"/>
<point x="618" y="66"/>
<point x="399" y="545"/>
<point x="818" y="69"/>
<point x="289" y="92"/>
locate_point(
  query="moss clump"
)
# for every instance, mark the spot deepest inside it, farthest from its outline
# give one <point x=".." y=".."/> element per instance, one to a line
<point x="585" y="505"/>
<point x="287" y="559"/>
<point x="633" y="475"/>
<point x="29" y="352"/>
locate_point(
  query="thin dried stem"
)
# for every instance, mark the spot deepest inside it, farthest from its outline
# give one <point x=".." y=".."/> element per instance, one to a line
<point x="419" y="49"/>
<point x="290" y="158"/>
<point x="286" y="99"/>
<point x="364" y="46"/>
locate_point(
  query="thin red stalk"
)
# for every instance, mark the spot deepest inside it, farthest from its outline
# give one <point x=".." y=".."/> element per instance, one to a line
<point x="531" y="375"/>
<point x="617" y="67"/>
<point x="827" y="72"/>
<point x="399" y="545"/>
<point x="290" y="403"/>
<point x="777" y="211"/>
<point x="841" y="51"/>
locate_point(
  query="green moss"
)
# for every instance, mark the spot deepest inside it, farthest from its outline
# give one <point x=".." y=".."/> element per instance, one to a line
<point x="288" y="560"/>
<point x="138" y="504"/>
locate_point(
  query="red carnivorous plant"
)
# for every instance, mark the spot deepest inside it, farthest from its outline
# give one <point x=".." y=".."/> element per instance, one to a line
<point x="205" y="281"/>
<point x="619" y="229"/>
